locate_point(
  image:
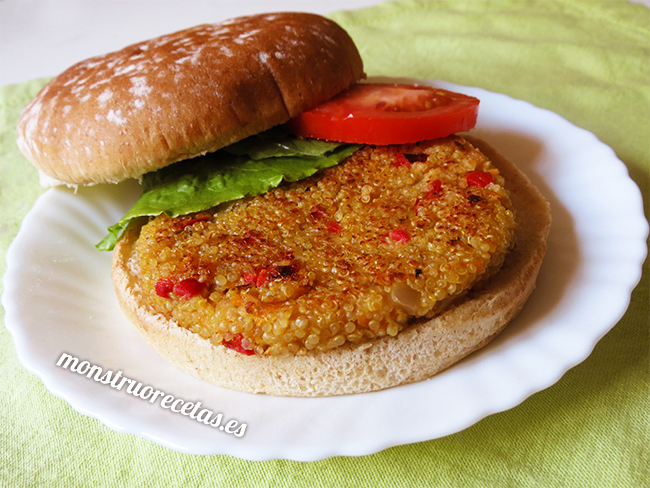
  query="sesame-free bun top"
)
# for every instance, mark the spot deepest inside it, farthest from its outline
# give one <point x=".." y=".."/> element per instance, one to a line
<point x="126" y="113"/>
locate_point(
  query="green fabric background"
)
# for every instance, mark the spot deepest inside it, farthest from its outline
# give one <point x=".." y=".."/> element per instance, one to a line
<point x="587" y="60"/>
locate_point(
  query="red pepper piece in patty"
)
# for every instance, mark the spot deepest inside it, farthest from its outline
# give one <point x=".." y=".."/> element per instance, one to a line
<point x="334" y="227"/>
<point x="408" y="159"/>
<point x="164" y="287"/>
<point x="189" y="288"/>
<point x="401" y="161"/>
<point x="197" y="219"/>
<point x="270" y="273"/>
<point x="317" y="212"/>
<point x="480" y="179"/>
<point x="236" y="345"/>
<point x="179" y="224"/>
<point x="433" y="190"/>
<point x="261" y="277"/>
<point x="400" y="236"/>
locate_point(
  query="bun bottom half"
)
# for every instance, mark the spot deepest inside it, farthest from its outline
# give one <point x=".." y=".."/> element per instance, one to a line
<point x="419" y="352"/>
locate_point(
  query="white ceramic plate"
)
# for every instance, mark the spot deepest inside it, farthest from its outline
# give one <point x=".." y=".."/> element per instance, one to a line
<point x="58" y="298"/>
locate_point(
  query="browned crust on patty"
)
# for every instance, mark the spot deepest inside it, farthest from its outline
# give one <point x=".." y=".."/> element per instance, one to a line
<point x="417" y="353"/>
<point x="364" y="248"/>
<point x="178" y="96"/>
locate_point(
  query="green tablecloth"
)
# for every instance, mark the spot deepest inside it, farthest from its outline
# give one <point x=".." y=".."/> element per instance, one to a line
<point x="586" y="60"/>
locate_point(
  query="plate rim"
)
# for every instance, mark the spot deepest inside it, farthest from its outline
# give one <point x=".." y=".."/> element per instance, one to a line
<point x="11" y="318"/>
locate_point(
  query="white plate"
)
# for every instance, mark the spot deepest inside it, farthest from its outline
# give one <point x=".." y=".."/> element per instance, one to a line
<point x="58" y="298"/>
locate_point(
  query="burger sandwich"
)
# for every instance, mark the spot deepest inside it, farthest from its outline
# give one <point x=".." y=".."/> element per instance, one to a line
<point x="300" y="232"/>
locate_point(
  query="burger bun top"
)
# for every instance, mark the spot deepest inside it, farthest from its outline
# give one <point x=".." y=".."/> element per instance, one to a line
<point x="154" y="103"/>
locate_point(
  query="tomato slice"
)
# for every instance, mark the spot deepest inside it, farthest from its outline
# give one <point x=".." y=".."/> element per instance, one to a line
<point x="379" y="113"/>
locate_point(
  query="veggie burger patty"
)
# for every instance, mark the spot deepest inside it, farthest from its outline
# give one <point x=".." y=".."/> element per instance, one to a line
<point x="390" y="235"/>
<point x="301" y="231"/>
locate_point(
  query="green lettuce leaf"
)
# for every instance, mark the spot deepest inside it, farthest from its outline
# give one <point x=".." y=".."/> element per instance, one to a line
<point x="247" y="168"/>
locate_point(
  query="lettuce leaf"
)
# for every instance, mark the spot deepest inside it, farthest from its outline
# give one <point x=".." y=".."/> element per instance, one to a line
<point x="248" y="168"/>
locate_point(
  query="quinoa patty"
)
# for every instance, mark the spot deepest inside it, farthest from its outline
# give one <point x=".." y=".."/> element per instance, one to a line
<point x="392" y="234"/>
